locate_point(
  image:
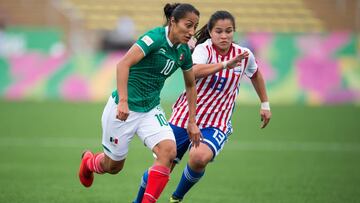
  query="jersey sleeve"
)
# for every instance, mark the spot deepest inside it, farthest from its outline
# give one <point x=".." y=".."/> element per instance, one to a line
<point x="251" y="67"/>
<point x="149" y="41"/>
<point x="200" y="55"/>
<point x="188" y="60"/>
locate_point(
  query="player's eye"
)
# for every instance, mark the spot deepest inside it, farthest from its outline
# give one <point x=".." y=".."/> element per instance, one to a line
<point x="189" y="25"/>
<point x="229" y="31"/>
<point x="218" y="31"/>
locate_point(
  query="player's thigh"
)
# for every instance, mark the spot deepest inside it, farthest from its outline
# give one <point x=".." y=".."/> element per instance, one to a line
<point x="182" y="142"/>
<point x="117" y="134"/>
<point x="154" y="128"/>
<point x="213" y="139"/>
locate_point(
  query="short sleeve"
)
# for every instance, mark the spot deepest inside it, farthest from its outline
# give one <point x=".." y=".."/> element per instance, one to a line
<point x="149" y="41"/>
<point x="188" y="60"/>
<point x="251" y="67"/>
<point x="200" y="55"/>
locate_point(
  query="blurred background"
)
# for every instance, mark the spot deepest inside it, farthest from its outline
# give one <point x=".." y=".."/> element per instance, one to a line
<point x="57" y="69"/>
<point x="67" y="49"/>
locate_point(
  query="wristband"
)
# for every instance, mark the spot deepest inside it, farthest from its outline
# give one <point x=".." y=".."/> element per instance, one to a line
<point x="265" y="106"/>
<point x="224" y="64"/>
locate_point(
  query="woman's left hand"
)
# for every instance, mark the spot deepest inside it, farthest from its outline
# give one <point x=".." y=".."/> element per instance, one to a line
<point x="265" y="117"/>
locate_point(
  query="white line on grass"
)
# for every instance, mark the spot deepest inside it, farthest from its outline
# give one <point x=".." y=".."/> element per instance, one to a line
<point x="68" y="142"/>
<point x="293" y="146"/>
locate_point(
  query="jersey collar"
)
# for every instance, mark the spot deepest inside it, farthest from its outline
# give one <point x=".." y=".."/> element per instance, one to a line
<point x="167" y="37"/>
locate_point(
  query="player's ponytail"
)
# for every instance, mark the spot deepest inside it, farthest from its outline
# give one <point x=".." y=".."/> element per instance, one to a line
<point x="168" y="9"/>
<point x="178" y="11"/>
<point x="204" y="33"/>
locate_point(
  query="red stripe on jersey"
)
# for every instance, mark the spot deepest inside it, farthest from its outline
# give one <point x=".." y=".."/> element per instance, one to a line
<point x="205" y="98"/>
<point x="182" y="99"/>
<point x="179" y="111"/>
<point x="178" y="100"/>
<point x="200" y="92"/>
<point x="219" y="120"/>
<point x="200" y="87"/>
<point x="210" y="54"/>
<point x="223" y="100"/>
<point x="245" y="65"/>
<point x="226" y="92"/>
<point x="233" y="53"/>
<point x="223" y="124"/>
<point x="208" y="49"/>
<point x="205" y="105"/>
<point x="217" y="57"/>
<point x="219" y="95"/>
<point x="176" y="108"/>
<point x="218" y="53"/>
<point x="182" y="107"/>
<point x="229" y="110"/>
<point x="222" y="93"/>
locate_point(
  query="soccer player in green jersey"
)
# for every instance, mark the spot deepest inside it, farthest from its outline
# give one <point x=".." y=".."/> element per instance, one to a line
<point x="135" y="106"/>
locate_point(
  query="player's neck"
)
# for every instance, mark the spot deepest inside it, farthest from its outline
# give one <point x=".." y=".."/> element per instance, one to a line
<point x="222" y="52"/>
<point x="172" y="38"/>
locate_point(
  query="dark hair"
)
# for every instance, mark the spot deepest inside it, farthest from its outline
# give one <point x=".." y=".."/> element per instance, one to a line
<point x="178" y="11"/>
<point x="204" y="33"/>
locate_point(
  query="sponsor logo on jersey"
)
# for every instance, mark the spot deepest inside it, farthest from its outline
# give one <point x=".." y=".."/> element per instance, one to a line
<point x="162" y="51"/>
<point x="148" y="41"/>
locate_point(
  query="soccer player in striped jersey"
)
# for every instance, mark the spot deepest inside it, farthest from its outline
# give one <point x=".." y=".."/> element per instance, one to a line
<point x="219" y="65"/>
<point x="135" y="106"/>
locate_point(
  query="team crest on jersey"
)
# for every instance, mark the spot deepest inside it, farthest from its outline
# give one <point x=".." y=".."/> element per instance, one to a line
<point x="181" y="56"/>
<point x="237" y="70"/>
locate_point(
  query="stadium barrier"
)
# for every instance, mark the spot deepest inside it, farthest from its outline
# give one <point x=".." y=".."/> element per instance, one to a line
<point x="299" y="68"/>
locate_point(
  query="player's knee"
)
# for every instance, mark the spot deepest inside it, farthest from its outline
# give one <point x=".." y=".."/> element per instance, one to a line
<point x="200" y="160"/>
<point x="167" y="152"/>
<point x="114" y="169"/>
<point x="170" y="152"/>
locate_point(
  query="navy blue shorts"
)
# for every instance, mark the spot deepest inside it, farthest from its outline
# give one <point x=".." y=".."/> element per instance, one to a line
<point x="213" y="137"/>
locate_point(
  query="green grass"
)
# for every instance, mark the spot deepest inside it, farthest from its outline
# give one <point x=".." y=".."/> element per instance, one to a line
<point x="306" y="154"/>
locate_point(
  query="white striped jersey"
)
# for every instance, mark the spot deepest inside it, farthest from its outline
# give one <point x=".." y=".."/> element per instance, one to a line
<point x="216" y="93"/>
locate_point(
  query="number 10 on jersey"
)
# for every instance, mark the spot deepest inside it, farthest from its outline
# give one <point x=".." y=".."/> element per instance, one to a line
<point x="168" y="67"/>
<point x="162" y="120"/>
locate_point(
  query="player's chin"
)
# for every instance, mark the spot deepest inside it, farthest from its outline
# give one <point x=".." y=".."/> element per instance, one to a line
<point x="185" y="40"/>
<point x="224" y="46"/>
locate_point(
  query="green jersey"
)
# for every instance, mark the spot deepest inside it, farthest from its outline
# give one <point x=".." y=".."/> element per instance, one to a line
<point x="147" y="77"/>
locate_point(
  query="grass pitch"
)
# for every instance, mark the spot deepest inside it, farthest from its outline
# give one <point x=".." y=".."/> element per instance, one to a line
<point x="306" y="154"/>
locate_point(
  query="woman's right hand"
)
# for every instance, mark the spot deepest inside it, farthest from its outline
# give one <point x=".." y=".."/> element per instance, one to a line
<point x="122" y="110"/>
<point x="232" y="63"/>
<point x="194" y="133"/>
